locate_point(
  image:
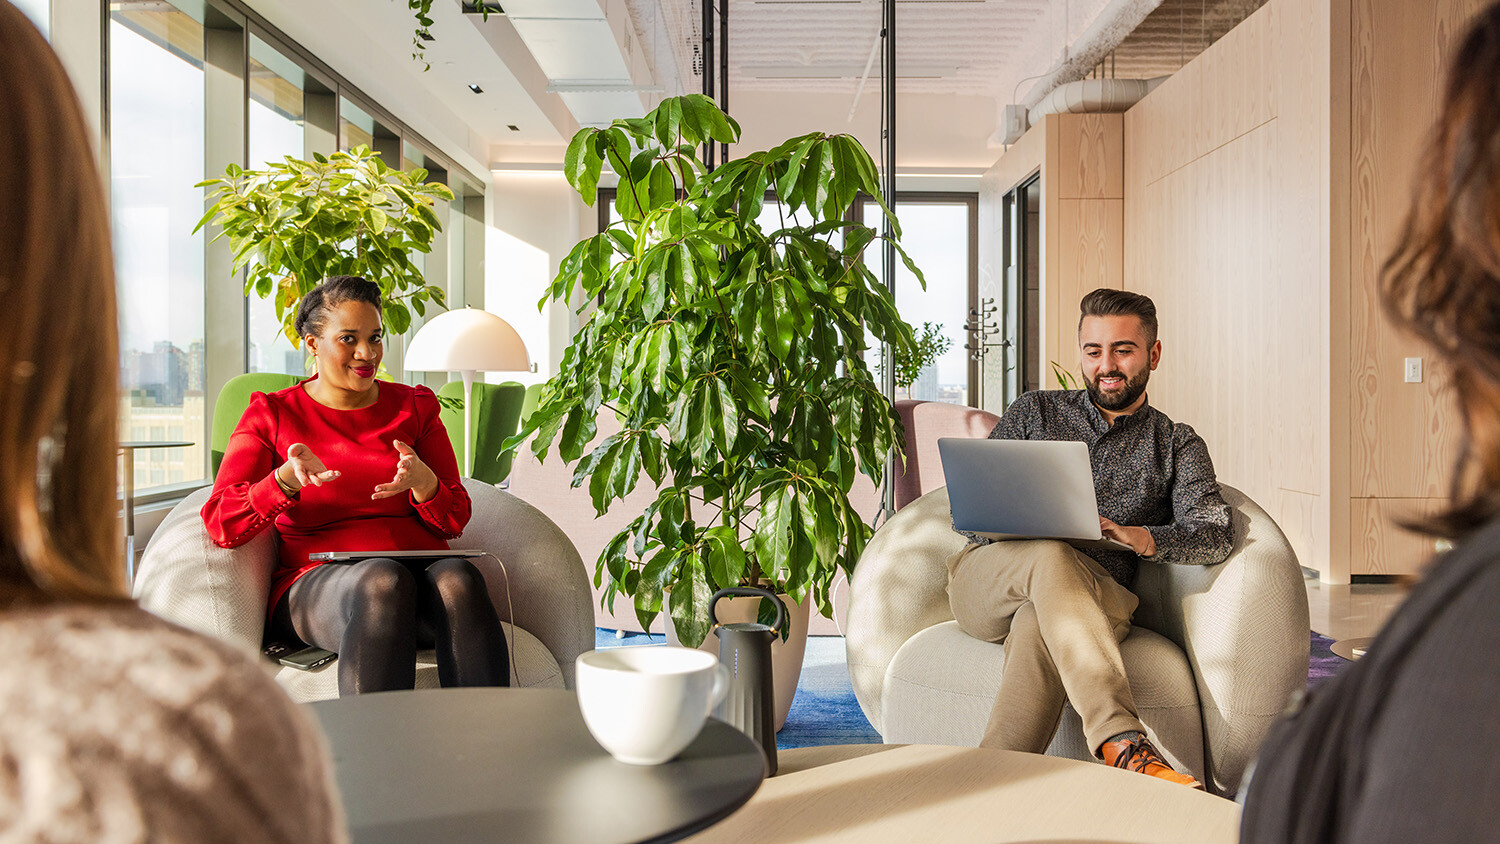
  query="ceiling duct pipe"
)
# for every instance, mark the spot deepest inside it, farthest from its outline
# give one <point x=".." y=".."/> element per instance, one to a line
<point x="1094" y="95"/>
<point x="1114" y="22"/>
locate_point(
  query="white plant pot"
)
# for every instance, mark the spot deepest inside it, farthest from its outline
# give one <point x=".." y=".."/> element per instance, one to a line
<point x="786" y="657"/>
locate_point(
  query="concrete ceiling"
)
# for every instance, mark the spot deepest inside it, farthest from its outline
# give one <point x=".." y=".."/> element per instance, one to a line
<point x="548" y="66"/>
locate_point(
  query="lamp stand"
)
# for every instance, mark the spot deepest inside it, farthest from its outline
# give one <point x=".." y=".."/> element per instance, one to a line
<point x="468" y="376"/>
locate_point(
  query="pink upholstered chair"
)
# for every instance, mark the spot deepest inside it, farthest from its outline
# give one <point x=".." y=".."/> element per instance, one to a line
<point x="925" y="422"/>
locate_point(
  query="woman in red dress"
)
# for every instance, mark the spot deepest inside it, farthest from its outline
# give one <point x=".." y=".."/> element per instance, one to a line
<point x="342" y="462"/>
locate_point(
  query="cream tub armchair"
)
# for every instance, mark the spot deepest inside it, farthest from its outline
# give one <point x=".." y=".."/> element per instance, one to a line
<point x="1214" y="656"/>
<point x="548" y="616"/>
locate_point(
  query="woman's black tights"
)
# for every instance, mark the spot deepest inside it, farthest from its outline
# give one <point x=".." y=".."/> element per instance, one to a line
<point x="376" y="612"/>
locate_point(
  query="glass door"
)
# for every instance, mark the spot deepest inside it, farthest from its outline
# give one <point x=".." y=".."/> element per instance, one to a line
<point x="1003" y="325"/>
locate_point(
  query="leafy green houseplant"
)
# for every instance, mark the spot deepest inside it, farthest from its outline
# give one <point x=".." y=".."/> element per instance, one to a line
<point x="732" y="355"/>
<point x="297" y="222"/>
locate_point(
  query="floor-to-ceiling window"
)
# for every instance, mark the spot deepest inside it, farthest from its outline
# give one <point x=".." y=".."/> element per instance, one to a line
<point x="156" y="121"/>
<point x="938" y="232"/>
<point x="192" y="86"/>
<point x="276" y="129"/>
<point x="38" y="11"/>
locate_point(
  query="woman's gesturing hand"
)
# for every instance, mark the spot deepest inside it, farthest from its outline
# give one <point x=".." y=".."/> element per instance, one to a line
<point x="304" y="467"/>
<point x="411" y="474"/>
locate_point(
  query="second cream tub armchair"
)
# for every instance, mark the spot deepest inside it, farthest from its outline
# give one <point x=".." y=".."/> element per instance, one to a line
<point x="1214" y="656"/>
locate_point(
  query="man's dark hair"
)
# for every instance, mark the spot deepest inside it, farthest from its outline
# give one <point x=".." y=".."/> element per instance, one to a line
<point x="1106" y="301"/>
<point x="312" y="314"/>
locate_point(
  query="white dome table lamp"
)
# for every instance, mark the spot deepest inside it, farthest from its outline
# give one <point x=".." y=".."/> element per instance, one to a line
<point x="467" y="341"/>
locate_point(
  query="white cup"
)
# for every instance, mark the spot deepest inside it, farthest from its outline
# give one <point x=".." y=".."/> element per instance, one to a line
<point x="646" y="703"/>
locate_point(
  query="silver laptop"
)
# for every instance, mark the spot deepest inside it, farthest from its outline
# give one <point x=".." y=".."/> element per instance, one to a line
<point x="356" y="556"/>
<point x="1023" y="489"/>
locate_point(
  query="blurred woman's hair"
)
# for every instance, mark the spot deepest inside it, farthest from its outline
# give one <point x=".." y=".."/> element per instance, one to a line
<point x="59" y="357"/>
<point x="1443" y="281"/>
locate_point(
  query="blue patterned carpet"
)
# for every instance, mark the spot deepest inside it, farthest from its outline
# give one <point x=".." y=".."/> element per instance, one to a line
<point x="825" y="711"/>
<point x="1323" y="663"/>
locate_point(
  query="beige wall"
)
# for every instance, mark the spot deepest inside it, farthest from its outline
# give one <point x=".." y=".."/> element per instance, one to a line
<point x="1086" y="250"/>
<point x="535" y="219"/>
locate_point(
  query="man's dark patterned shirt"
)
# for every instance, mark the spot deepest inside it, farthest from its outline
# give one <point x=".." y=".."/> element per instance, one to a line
<point x="1148" y="472"/>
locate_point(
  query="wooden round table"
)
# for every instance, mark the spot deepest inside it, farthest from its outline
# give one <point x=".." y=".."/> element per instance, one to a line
<point x="865" y="793"/>
<point x="518" y="765"/>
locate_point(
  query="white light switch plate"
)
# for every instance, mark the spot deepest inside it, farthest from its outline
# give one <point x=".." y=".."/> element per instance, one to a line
<point x="1413" y="370"/>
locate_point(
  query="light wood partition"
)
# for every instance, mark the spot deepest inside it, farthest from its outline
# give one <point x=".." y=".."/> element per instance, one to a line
<point x="1081" y="161"/>
<point x="1403" y="436"/>
<point x="1226" y="221"/>
<point x="1086" y="250"/>
<point x="1264" y="184"/>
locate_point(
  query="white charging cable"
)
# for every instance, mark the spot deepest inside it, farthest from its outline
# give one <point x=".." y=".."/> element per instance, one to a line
<point x="510" y="611"/>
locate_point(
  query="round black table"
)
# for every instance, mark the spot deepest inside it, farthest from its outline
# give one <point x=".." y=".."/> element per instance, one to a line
<point x="519" y="765"/>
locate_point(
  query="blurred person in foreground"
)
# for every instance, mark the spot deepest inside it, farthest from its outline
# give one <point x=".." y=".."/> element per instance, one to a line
<point x="1403" y="745"/>
<point x="115" y="726"/>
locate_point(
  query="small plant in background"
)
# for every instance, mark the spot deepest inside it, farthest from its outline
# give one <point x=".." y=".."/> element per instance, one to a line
<point x="1064" y="377"/>
<point x="297" y="222"/>
<point x="930" y="344"/>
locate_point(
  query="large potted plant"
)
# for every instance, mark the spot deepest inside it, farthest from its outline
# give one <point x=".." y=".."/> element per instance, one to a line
<point x="297" y="222"/>
<point x="733" y="356"/>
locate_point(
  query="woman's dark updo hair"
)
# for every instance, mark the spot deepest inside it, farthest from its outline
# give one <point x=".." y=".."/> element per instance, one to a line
<point x="312" y="314"/>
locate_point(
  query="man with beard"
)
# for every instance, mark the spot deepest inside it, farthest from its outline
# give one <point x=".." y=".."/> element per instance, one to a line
<point x="1061" y="611"/>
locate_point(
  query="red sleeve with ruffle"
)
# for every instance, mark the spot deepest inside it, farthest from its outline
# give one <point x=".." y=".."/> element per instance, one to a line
<point x="246" y="499"/>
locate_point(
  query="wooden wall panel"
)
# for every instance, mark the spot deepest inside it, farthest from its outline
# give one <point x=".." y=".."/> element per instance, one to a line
<point x="1264" y="186"/>
<point x="1082" y="239"/>
<point x="1297" y="514"/>
<point x="1091" y="232"/>
<point x="1090" y="236"/>
<point x="1222" y="232"/>
<point x="1382" y="543"/>
<point x="1403" y="434"/>
<point x="1091" y="156"/>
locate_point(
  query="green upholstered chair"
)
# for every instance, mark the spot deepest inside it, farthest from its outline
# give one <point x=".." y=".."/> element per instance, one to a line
<point x="533" y="398"/>
<point x="232" y="402"/>
<point x="497" y="416"/>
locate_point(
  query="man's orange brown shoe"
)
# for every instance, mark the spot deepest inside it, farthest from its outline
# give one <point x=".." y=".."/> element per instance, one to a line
<point x="1133" y="752"/>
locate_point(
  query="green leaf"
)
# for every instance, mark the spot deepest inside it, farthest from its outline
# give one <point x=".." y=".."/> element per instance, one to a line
<point x="773" y="538"/>
<point x="725" y="414"/>
<point x="666" y="120"/>
<point x="581" y="164"/>
<point x="689" y="604"/>
<point x="725" y="558"/>
<point x="654" y="285"/>
<point x="786" y="184"/>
